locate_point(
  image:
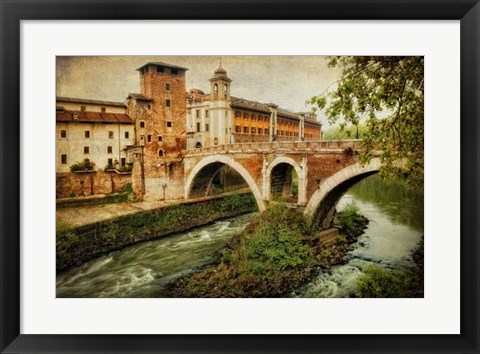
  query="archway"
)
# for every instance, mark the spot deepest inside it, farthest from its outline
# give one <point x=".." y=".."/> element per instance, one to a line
<point x="200" y="180"/>
<point x="286" y="178"/>
<point x="320" y="209"/>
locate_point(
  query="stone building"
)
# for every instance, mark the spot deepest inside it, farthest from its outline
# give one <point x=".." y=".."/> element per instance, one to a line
<point x="92" y="130"/>
<point x="150" y="131"/>
<point x="160" y="128"/>
<point x="218" y="118"/>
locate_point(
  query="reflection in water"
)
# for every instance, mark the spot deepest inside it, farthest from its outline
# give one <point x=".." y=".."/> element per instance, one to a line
<point x="395" y="212"/>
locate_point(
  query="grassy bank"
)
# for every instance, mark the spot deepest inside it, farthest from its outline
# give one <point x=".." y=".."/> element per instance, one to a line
<point x="75" y="246"/>
<point x="276" y="254"/>
<point x="408" y="282"/>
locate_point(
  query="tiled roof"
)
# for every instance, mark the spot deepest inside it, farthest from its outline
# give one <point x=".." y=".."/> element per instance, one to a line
<point x="248" y="104"/>
<point x="82" y="100"/>
<point x="139" y="96"/>
<point x="93" y="117"/>
<point x="264" y="107"/>
<point x="159" y="63"/>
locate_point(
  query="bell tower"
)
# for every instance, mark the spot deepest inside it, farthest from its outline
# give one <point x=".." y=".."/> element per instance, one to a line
<point x="220" y="84"/>
<point x="221" y="118"/>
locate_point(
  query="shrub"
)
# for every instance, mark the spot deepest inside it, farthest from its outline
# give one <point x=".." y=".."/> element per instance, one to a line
<point x="85" y="165"/>
<point x="377" y="282"/>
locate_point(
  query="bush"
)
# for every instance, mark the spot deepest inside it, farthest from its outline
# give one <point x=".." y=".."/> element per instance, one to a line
<point x="85" y="165"/>
<point x="377" y="282"/>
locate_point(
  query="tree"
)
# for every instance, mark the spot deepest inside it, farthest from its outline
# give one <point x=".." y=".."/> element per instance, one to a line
<point x="385" y="94"/>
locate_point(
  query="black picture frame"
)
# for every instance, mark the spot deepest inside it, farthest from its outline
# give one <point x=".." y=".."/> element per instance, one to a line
<point x="13" y="12"/>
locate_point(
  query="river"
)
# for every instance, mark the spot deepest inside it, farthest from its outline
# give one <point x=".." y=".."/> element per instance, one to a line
<point x="395" y="212"/>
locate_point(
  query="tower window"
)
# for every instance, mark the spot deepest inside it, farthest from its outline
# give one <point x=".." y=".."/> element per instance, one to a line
<point x="103" y="110"/>
<point x="127" y="135"/>
<point x="160" y="153"/>
<point x="174" y="71"/>
<point x="87" y="134"/>
<point x="63" y="133"/>
<point x="109" y="150"/>
<point x="169" y="124"/>
<point x="149" y="138"/>
<point x="110" y="134"/>
<point x="167" y="86"/>
<point x="167" y="103"/>
<point x="225" y="90"/>
<point x="215" y="89"/>
<point x="142" y="124"/>
<point x="86" y="149"/>
<point x="160" y="138"/>
<point x="64" y="159"/>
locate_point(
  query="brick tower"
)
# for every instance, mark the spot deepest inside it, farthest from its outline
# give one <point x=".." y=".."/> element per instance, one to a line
<point x="159" y="112"/>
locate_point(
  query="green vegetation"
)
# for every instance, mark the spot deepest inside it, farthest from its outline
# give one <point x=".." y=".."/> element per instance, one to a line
<point x="387" y="95"/>
<point x="277" y="253"/>
<point x="77" y="245"/>
<point x="404" y="283"/>
<point x="85" y="165"/>
<point x="345" y="132"/>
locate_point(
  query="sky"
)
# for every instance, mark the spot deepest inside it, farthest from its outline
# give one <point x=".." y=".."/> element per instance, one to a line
<point x="285" y="80"/>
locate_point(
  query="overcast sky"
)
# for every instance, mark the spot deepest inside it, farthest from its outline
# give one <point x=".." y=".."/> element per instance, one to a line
<point x="285" y="80"/>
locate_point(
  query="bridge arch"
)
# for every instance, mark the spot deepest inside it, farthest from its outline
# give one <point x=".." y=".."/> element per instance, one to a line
<point x="321" y="206"/>
<point x="215" y="162"/>
<point x="302" y="188"/>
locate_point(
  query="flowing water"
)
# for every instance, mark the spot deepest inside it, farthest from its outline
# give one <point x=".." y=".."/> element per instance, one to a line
<point x="395" y="212"/>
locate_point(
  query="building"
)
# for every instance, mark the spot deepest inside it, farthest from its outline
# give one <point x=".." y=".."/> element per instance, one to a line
<point x="155" y="125"/>
<point x="159" y="112"/>
<point x="219" y="118"/>
<point x="94" y="131"/>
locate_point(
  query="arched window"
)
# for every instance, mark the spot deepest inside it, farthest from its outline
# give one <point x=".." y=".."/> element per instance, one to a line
<point x="215" y="89"/>
<point x="198" y="145"/>
<point x="160" y="153"/>
<point x="225" y="90"/>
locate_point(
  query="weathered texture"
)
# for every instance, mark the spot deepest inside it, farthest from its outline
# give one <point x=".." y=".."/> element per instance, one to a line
<point x="70" y="184"/>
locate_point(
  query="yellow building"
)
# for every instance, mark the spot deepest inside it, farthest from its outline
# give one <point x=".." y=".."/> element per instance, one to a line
<point x="218" y="118"/>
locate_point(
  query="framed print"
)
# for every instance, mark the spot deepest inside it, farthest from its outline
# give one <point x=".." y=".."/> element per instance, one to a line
<point x="173" y="115"/>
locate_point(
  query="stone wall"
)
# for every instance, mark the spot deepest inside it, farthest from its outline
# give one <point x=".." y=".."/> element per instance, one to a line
<point x="70" y="184"/>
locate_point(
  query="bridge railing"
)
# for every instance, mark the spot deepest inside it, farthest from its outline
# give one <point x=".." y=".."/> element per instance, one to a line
<point x="278" y="145"/>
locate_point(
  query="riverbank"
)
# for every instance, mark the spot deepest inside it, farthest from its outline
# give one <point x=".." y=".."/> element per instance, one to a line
<point x="78" y="243"/>
<point x="276" y="254"/>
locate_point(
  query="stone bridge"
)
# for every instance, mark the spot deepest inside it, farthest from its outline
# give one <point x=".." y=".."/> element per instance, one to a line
<point x="325" y="170"/>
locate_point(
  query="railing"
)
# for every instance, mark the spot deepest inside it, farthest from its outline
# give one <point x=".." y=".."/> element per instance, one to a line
<point x="277" y="146"/>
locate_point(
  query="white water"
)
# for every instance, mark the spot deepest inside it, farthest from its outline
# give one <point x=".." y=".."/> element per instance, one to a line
<point x="384" y="243"/>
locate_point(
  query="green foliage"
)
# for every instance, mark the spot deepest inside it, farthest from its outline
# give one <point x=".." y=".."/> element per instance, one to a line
<point x="345" y="133"/>
<point x="271" y="258"/>
<point x="380" y="283"/>
<point x="349" y="221"/>
<point x="85" y="165"/>
<point x="387" y="94"/>
<point x="128" y="188"/>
